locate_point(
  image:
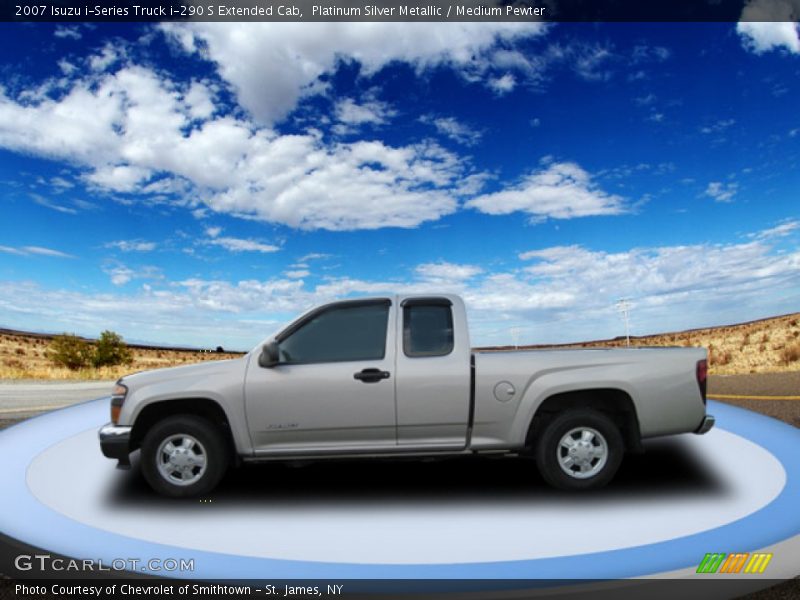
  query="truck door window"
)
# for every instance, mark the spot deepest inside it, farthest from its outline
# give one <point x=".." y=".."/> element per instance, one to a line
<point x="338" y="334"/>
<point x="427" y="330"/>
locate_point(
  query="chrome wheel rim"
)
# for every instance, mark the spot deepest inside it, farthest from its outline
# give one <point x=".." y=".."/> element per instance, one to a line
<point x="582" y="452"/>
<point x="181" y="459"/>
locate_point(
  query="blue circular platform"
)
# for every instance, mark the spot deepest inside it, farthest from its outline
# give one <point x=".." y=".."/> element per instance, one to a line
<point x="738" y="492"/>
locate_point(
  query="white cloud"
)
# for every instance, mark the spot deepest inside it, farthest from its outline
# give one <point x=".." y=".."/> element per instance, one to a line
<point x="643" y="53"/>
<point x="562" y="293"/>
<point x="246" y="296"/>
<point x="718" y="126"/>
<point x="79" y="126"/>
<point x="61" y="183"/>
<point x="241" y="245"/>
<point x="364" y="185"/>
<point x="67" y="32"/>
<point x="645" y="100"/>
<point x="559" y="191"/>
<point x="351" y="115"/>
<point x="297" y="274"/>
<point x="42" y="201"/>
<point x="506" y="67"/>
<point x="285" y="60"/>
<point x="590" y="62"/>
<point x="662" y="276"/>
<point x="134" y="131"/>
<point x="447" y="273"/>
<point x="108" y="55"/>
<point x="767" y="25"/>
<point x="199" y="101"/>
<point x="202" y="313"/>
<point x="132" y="245"/>
<point x="503" y="84"/>
<point x="314" y="256"/>
<point x="122" y="178"/>
<point x="454" y="129"/>
<point x="782" y="230"/>
<point x="126" y="126"/>
<point x="721" y="192"/>
<point x="35" y="250"/>
<point x="233" y="244"/>
<point x="67" y="68"/>
<point x="121" y="274"/>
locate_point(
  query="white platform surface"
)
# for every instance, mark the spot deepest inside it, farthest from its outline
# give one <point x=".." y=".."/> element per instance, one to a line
<point x="425" y="532"/>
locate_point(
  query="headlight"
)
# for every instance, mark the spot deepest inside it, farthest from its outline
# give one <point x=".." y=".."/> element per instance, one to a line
<point x="117" y="399"/>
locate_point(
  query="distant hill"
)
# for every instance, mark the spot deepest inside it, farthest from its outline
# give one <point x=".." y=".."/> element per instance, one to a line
<point x="762" y="346"/>
<point x="50" y="336"/>
<point x="23" y="356"/>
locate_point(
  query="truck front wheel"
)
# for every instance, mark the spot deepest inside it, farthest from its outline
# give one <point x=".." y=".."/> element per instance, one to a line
<point x="184" y="456"/>
<point x="579" y="450"/>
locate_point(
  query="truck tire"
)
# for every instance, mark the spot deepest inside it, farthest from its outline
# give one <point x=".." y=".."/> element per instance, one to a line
<point x="184" y="456"/>
<point x="579" y="449"/>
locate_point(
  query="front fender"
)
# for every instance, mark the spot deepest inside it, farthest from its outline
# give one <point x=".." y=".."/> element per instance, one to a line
<point x="221" y="382"/>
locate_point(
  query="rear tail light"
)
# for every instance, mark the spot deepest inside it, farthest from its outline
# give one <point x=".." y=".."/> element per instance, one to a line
<point x="702" y="376"/>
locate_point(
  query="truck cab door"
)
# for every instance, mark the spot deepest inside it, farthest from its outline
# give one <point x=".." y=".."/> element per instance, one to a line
<point x="332" y="388"/>
<point x="433" y="374"/>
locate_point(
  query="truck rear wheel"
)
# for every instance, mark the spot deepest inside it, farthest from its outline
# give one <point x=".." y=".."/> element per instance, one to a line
<point x="579" y="450"/>
<point x="184" y="456"/>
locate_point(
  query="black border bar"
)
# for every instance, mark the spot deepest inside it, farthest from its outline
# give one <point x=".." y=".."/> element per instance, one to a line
<point x="77" y="11"/>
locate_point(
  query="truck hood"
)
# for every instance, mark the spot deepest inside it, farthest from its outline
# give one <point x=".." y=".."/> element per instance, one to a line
<point x="195" y="372"/>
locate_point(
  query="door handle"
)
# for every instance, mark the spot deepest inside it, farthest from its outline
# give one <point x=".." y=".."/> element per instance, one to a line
<point x="371" y="375"/>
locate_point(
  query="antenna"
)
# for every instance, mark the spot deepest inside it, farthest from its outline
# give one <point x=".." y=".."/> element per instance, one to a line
<point x="624" y="307"/>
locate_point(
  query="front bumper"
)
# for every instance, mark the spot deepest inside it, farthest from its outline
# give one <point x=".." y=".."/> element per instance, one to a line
<point x="115" y="443"/>
<point x="706" y="425"/>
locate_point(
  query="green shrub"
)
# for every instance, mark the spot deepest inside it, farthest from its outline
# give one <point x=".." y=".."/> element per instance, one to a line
<point x="68" y="350"/>
<point x="110" y="350"/>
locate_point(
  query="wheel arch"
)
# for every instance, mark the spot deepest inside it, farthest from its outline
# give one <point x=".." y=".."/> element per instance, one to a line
<point x="206" y="408"/>
<point x="616" y="403"/>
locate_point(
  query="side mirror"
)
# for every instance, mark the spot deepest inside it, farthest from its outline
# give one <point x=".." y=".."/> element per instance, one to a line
<point x="269" y="355"/>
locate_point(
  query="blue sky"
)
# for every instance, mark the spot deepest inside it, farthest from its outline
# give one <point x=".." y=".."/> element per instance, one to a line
<point x="202" y="183"/>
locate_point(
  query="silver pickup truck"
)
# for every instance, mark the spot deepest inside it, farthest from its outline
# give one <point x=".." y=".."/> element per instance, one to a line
<point x="396" y="377"/>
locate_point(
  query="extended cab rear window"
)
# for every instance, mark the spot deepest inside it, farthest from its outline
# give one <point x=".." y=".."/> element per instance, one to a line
<point x="427" y="329"/>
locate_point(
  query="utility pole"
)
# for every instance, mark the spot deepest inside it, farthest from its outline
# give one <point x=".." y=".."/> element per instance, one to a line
<point x="515" y="331"/>
<point x="624" y="307"/>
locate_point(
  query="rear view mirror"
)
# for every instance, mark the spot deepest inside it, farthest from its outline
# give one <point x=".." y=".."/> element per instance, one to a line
<point x="269" y="355"/>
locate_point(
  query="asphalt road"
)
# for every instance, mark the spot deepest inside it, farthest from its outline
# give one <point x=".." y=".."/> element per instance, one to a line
<point x="753" y="392"/>
<point x="20" y="399"/>
<point x="758" y="384"/>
